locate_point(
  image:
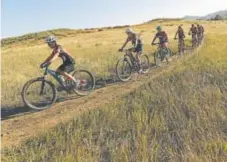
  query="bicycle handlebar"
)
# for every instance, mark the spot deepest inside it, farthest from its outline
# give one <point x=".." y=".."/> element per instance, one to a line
<point x="45" y="65"/>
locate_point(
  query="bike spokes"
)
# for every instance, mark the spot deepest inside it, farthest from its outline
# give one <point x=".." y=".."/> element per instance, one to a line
<point x="158" y="58"/>
<point x="123" y="70"/>
<point x="39" y="94"/>
<point x="85" y="82"/>
<point x="145" y="64"/>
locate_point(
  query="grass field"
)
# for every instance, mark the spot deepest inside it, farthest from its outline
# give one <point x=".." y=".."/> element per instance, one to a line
<point x="181" y="116"/>
<point x="95" y="51"/>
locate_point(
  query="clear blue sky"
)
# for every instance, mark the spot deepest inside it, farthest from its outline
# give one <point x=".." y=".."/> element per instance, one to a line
<point x="25" y="16"/>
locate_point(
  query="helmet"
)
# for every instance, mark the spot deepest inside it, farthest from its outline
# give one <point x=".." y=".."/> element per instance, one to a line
<point x="50" y="39"/>
<point x="129" y="30"/>
<point x="159" y="28"/>
<point x="180" y="26"/>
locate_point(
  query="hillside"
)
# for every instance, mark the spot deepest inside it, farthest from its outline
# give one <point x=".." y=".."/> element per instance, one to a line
<point x="212" y="15"/>
<point x="38" y="37"/>
<point x="174" y="113"/>
<point x="222" y="13"/>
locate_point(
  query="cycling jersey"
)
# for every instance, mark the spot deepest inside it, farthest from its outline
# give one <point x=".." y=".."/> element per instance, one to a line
<point x="136" y="40"/>
<point x="193" y="30"/>
<point x="66" y="58"/>
<point x="163" y="38"/>
<point x="180" y="33"/>
<point x="199" y="30"/>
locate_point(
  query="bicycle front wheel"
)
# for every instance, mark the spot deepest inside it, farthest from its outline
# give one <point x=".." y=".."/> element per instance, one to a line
<point x="86" y="82"/>
<point x="39" y="94"/>
<point x="123" y="70"/>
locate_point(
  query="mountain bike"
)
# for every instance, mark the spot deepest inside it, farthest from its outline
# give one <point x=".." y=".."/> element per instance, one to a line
<point x="161" y="53"/>
<point x="126" y="66"/>
<point x="199" y="37"/>
<point x="40" y="93"/>
<point x="194" y="42"/>
<point x="181" y="46"/>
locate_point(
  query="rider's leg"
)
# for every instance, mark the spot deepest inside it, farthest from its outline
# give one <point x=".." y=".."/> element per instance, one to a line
<point x="166" y="50"/>
<point x="68" y="76"/>
<point x="138" y="60"/>
<point x="179" y="47"/>
<point x="129" y="53"/>
<point x="183" y="46"/>
<point x="198" y="40"/>
<point x="138" y="50"/>
<point x="193" y="41"/>
<point x="65" y="69"/>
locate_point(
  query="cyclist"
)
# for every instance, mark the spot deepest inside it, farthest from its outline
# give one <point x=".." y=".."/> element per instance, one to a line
<point x="181" y="36"/>
<point x="163" y="40"/>
<point x="193" y="32"/>
<point x="68" y="64"/>
<point x="199" y="33"/>
<point x="138" y="46"/>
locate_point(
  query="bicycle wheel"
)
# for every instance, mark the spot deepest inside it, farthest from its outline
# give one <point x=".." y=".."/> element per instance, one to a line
<point x="145" y="63"/>
<point x="123" y="70"/>
<point x="39" y="94"/>
<point x="86" y="82"/>
<point x="157" y="58"/>
<point x="170" y="52"/>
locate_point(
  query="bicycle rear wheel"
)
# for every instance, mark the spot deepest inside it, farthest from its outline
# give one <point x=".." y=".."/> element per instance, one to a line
<point x="123" y="70"/>
<point x="145" y="63"/>
<point x="86" y="82"/>
<point x="39" y="94"/>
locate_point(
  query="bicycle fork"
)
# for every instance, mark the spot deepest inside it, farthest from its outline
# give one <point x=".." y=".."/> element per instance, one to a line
<point x="42" y="86"/>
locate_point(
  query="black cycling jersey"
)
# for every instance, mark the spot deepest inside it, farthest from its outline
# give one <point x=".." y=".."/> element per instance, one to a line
<point x="66" y="58"/>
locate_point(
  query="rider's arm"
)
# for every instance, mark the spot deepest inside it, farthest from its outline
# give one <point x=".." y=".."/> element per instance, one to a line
<point x="176" y="35"/>
<point x="48" y="59"/>
<point x="125" y="44"/>
<point x="190" y="31"/>
<point x="154" y="39"/>
<point x="52" y="57"/>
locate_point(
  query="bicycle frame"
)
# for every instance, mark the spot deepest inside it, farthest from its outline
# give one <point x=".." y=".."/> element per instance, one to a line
<point x="127" y="53"/>
<point x="54" y="74"/>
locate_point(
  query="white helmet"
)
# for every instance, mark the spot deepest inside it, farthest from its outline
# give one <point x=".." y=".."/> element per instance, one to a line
<point x="129" y="30"/>
<point x="50" y="39"/>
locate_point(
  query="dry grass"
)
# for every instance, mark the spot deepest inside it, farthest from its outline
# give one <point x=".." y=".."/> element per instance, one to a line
<point x="178" y="117"/>
<point x="95" y="51"/>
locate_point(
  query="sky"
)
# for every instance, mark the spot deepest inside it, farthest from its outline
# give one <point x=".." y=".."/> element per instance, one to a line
<point x="20" y="17"/>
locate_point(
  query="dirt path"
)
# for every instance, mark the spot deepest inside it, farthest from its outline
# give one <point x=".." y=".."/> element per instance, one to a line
<point x="16" y="130"/>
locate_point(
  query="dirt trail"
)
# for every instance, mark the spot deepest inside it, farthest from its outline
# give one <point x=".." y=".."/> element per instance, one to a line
<point x="16" y="130"/>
